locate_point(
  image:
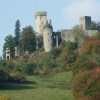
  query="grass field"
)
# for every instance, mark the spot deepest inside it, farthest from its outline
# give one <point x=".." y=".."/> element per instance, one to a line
<point x="55" y="87"/>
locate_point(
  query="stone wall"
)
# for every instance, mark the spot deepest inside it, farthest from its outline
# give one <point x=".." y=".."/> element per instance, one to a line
<point x="67" y="35"/>
<point x="91" y="33"/>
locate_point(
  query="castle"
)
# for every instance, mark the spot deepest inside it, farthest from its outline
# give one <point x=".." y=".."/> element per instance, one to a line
<point x="85" y="24"/>
<point x="44" y="33"/>
<point x="44" y="29"/>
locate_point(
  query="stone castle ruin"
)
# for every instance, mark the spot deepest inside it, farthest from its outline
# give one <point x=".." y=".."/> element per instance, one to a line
<point x="85" y="24"/>
<point x="44" y="30"/>
<point x="46" y="36"/>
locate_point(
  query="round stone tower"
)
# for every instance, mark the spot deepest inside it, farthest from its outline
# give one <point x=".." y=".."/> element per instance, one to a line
<point x="41" y="19"/>
<point x="47" y="37"/>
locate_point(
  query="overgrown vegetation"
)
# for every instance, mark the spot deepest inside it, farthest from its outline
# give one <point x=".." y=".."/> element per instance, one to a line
<point x="86" y="80"/>
<point x="40" y="87"/>
<point x="80" y="57"/>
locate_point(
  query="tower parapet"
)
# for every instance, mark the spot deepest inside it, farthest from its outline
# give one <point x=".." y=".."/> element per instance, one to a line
<point x="41" y="20"/>
<point x="41" y="14"/>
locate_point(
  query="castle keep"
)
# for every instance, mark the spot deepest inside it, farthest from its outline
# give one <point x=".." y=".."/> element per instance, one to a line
<point x="41" y="20"/>
<point x="44" y="30"/>
<point x="85" y="22"/>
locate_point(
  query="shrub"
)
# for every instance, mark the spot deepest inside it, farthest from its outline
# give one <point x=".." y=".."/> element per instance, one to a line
<point x="16" y="77"/>
<point x="4" y="98"/>
<point x="3" y="75"/>
<point x="29" y="69"/>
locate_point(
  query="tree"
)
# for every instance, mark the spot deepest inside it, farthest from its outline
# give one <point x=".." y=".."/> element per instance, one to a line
<point x="17" y="32"/>
<point x="98" y="26"/>
<point x="79" y="35"/>
<point x="86" y="71"/>
<point x="9" y="43"/>
<point x="93" y="25"/>
<point x="28" y="39"/>
<point x="78" y="32"/>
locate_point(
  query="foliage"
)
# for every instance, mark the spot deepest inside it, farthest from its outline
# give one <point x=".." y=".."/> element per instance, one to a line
<point x="78" y="33"/>
<point x="4" y="98"/>
<point x="66" y="58"/>
<point x="16" y="76"/>
<point x="86" y="85"/>
<point x="3" y="75"/>
<point x="10" y="73"/>
<point x="17" y="32"/>
<point x="9" y="43"/>
<point x="29" y="69"/>
<point x="7" y="65"/>
<point x="41" y="87"/>
<point x="86" y="71"/>
<point x="93" y="25"/>
<point x="55" y="52"/>
<point x="28" y="39"/>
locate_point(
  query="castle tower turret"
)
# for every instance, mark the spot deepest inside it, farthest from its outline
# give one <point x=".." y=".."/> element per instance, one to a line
<point x="85" y="22"/>
<point x="41" y="19"/>
<point x="8" y="54"/>
<point x="47" y="37"/>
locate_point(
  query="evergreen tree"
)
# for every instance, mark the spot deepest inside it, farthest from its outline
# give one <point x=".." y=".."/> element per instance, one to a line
<point x="17" y="32"/>
<point x="9" y="43"/>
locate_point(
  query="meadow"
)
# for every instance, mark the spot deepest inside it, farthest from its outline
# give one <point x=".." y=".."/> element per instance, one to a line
<point x="40" y="87"/>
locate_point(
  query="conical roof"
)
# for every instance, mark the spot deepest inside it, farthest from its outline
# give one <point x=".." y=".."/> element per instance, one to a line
<point x="48" y="25"/>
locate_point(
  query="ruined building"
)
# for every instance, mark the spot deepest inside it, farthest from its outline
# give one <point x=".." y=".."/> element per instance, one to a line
<point x="85" y="24"/>
<point x="48" y="39"/>
<point x="44" y="31"/>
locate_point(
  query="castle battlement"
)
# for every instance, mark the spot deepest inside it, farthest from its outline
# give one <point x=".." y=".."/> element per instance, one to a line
<point x="85" y="17"/>
<point x="41" y="14"/>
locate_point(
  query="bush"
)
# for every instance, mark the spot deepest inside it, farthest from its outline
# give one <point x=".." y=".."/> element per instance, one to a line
<point x="16" y="77"/>
<point x="79" y="84"/>
<point x="86" y="85"/>
<point x="3" y="75"/>
<point x="4" y="98"/>
<point x="86" y="79"/>
<point x="29" y="69"/>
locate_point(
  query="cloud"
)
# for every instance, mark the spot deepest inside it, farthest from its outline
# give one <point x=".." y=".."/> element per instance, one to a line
<point x="78" y="8"/>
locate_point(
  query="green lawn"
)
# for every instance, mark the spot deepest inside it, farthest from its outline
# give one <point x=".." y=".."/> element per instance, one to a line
<point x="55" y="87"/>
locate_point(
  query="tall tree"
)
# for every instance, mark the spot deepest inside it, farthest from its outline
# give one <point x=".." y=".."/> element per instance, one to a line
<point x="79" y="35"/>
<point x="28" y="39"/>
<point x="9" y="43"/>
<point x="17" y="32"/>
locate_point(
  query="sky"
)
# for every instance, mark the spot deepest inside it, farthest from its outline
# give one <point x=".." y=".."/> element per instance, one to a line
<point x="63" y="13"/>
